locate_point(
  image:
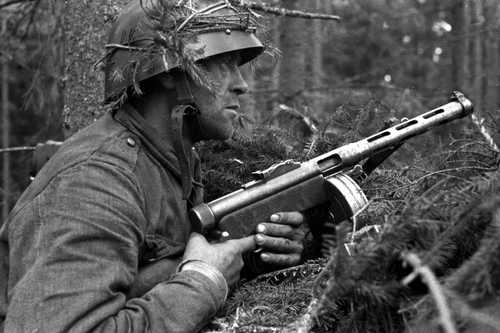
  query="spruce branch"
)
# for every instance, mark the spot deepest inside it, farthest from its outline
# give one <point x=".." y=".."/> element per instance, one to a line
<point x="467" y="312"/>
<point x="482" y="267"/>
<point x="435" y="289"/>
<point x="320" y="299"/>
<point x="306" y="322"/>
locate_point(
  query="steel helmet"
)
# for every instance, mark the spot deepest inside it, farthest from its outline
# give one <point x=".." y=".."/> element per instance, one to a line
<point x="156" y="36"/>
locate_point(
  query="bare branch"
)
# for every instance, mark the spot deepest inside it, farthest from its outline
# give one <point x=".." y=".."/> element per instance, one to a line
<point x="13" y="2"/>
<point x="285" y="12"/>
<point x="14" y="149"/>
<point x="435" y="289"/>
<point x="479" y="122"/>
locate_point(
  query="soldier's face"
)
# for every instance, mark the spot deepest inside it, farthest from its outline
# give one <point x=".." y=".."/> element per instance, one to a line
<point x="219" y="106"/>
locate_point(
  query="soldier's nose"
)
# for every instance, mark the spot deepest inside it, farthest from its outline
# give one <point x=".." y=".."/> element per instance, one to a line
<point x="239" y="86"/>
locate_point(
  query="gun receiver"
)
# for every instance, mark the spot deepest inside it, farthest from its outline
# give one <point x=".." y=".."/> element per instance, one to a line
<point x="292" y="186"/>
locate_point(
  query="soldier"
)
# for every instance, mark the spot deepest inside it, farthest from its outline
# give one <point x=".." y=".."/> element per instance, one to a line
<point x="101" y="241"/>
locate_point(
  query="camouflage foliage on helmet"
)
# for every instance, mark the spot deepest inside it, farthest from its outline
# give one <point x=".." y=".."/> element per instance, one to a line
<point x="154" y="36"/>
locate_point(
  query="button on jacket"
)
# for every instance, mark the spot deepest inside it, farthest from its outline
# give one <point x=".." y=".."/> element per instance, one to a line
<point x="102" y="208"/>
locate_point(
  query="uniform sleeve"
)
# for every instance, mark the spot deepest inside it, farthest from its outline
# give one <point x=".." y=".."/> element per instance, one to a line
<point x="86" y="250"/>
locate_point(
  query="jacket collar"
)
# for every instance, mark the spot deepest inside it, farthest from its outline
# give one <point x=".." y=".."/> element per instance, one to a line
<point x="162" y="150"/>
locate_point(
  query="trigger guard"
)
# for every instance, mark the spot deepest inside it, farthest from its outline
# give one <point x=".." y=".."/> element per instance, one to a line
<point x="345" y="196"/>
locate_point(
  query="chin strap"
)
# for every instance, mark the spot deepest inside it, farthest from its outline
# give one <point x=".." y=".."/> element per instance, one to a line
<point x="186" y="107"/>
<point x="182" y="149"/>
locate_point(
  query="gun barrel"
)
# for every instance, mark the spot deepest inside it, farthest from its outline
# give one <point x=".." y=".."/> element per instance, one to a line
<point x="206" y="216"/>
<point x="352" y="153"/>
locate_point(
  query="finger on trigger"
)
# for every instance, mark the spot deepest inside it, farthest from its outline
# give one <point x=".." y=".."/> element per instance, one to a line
<point x="278" y="244"/>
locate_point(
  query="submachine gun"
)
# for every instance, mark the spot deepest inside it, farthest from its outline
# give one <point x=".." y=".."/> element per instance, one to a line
<point x="292" y="186"/>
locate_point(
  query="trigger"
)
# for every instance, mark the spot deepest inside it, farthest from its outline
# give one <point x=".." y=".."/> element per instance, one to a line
<point x="218" y="236"/>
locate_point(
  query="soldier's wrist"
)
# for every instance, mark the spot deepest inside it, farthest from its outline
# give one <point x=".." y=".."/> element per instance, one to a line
<point x="209" y="271"/>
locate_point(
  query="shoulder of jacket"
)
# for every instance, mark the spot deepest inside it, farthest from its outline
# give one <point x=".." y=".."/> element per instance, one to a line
<point x="104" y="141"/>
<point x="121" y="150"/>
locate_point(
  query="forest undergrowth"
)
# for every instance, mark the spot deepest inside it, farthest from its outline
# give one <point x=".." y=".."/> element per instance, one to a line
<point x="425" y="255"/>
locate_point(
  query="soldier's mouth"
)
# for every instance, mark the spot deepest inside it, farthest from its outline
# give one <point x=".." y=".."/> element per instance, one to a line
<point x="232" y="110"/>
<point x="234" y="107"/>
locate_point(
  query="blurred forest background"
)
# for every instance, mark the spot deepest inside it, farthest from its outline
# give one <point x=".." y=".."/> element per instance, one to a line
<point x="385" y="58"/>
<point x="332" y="82"/>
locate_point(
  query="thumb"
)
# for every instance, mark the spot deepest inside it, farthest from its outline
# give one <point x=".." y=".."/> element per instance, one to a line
<point x="197" y="238"/>
<point x="246" y="244"/>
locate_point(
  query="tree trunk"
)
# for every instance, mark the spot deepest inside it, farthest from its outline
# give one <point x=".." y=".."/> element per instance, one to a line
<point x="492" y="63"/>
<point x="54" y="68"/>
<point x="316" y="61"/>
<point x="492" y="56"/>
<point x="275" y="79"/>
<point x="5" y="131"/>
<point x="480" y="77"/>
<point x="293" y="43"/>
<point x="467" y="46"/>
<point x="478" y="57"/>
<point x="458" y="49"/>
<point x="87" y="24"/>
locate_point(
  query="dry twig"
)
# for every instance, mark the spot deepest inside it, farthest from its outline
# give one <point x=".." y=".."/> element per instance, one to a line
<point x="435" y="289"/>
<point x="15" y="149"/>
<point x="479" y="122"/>
<point x="13" y="2"/>
<point x="285" y="12"/>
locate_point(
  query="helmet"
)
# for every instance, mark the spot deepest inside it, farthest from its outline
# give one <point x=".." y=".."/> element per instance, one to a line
<point x="152" y="37"/>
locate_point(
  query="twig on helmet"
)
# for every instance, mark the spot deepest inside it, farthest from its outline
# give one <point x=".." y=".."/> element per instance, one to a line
<point x="435" y="289"/>
<point x="282" y="11"/>
<point x="123" y="47"/>
<point x="13" y="2"/>
<point x="16" y="149"/>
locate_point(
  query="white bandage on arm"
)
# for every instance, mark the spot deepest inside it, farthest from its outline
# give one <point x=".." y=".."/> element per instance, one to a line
<point x="211" y="272"/>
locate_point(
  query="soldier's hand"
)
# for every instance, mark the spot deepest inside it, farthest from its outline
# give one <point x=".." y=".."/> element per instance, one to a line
<point x="280" y="240"/>
<point x="225" y="256"/>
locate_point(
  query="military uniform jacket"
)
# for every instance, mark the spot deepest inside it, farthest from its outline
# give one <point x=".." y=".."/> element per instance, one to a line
<point x="104" y="206"/>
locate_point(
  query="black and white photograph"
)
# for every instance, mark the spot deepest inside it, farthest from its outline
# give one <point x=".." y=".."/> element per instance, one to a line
<point x="253" y="166"/>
